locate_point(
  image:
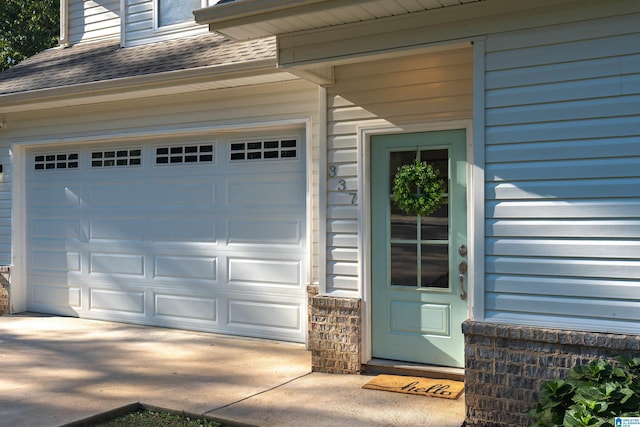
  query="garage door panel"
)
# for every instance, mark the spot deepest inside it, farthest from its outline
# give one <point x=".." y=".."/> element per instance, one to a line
<point x="184" y="229"/>
<point x="55" y="260"/>
<point x="62" y="296"/>
<point x="117" y="229"/>
<point x="264" y="315"/>
<point x="263" y="271"/>
<point x="276" y="192"/>
<point x="52" y="196"/>
<point x="178" y="307"/>
<point x="60" y="228"/>
<point x="185" y="267"/>
<point x="172" y="195"/>
<point x="284" y="229"/>
<point x="119" y="301"/>
<point x="119" y="264"/>
<point x="129" y="195"/>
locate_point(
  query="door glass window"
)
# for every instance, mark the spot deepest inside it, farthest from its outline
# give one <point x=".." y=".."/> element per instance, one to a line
<point x="404" y="257"/>
<point x="434" y="265"/>
<point x="419" y="246"/>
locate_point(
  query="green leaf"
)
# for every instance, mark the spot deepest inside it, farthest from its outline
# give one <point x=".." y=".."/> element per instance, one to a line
<point x="26" y="28"/>
<point x="418" y="189"/>
<point x="593" y="395"/>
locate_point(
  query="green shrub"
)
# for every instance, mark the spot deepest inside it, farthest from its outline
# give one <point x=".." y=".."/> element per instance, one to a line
<point x="593" y="395"/>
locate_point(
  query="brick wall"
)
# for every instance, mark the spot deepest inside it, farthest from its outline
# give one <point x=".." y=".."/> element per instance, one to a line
<point x="505" y="364"/>
<point x="4" y="290"/>
<point x="334" y="333"/>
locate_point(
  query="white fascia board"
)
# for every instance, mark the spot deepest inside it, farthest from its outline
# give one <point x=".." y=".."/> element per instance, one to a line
<point x="122" y="87"/>
<point x="248" y="12"/>
<point x="245" y="8"/>
<point x="259" y="10"/>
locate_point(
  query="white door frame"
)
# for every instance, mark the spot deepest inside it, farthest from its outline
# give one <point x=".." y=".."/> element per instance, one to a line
<point x="475" y="213"/>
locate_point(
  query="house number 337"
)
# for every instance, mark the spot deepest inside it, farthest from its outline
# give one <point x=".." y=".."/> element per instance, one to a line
<point x="342" y="185"/>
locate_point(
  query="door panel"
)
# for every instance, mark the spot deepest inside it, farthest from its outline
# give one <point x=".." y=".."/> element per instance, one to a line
<point x="417" y="301"/>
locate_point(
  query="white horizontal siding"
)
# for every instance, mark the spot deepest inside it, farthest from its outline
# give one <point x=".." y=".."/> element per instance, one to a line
<point x="564" y="248"/>
<point x="413" y="89"/>
<point x="562" y="177"/>
<point x="579" y="189"/>
<point x="91" y="20"/>
<point x="5" y="207"/>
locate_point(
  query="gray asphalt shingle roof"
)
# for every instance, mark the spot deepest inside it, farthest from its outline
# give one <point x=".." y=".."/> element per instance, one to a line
<point x="101" y="61"/>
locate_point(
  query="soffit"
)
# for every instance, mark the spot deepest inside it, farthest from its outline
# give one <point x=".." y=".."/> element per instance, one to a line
<point x="251" y="19"/>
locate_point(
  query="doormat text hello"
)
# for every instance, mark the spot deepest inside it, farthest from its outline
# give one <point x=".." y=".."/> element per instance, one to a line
<point x="416" y="385"/>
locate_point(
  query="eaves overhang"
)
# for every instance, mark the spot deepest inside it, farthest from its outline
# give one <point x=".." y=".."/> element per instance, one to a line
<point x="313" y="36"/>
<point x="252" y="19"/>
<point x="166" y="83"/>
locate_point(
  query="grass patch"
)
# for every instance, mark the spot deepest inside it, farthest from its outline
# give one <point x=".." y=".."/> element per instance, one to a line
<point x="149" y="418"/>
<point x="142" y="415"/>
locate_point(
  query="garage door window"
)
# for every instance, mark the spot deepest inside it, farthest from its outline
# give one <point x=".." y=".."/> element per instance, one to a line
<point x="179" y="154"/>
<point x="43" y="162"/>
<point x="113" y="158"/>
<point x="263" y="150"/>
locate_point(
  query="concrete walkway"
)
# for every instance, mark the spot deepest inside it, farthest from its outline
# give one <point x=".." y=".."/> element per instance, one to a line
<point x="56" y="370"/>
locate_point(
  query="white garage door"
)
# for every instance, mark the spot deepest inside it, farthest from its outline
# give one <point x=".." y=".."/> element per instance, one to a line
<point x="205" y="234"/>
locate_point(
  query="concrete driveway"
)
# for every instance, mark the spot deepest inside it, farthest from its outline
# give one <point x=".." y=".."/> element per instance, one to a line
<point x="56" y="370"/>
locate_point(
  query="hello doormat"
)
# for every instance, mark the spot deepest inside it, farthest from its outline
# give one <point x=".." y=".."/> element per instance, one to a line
<point x="447" y="389"/>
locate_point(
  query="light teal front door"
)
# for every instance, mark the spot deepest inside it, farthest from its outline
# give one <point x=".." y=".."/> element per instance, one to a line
<point x="418" y="273"/>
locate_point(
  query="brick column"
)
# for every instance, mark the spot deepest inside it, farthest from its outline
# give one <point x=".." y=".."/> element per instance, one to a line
<point x="334" y="333"/>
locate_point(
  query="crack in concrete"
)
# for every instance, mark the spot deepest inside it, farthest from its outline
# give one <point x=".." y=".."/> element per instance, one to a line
<point x="256" y="394"/>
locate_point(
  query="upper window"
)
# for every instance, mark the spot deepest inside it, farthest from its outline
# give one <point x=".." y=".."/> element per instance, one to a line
<point x="172" y="12"/>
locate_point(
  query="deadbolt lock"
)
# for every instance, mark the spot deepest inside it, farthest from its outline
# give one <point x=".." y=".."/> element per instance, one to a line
<point x="462" y="250"/>
<point x="462" y="267"/>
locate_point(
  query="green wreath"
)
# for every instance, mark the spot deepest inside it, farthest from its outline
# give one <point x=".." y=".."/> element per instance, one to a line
<point x="418" y="189"/>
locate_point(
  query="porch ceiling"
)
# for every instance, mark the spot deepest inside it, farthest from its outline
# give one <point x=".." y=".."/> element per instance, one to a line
<point x="251" y="19"/>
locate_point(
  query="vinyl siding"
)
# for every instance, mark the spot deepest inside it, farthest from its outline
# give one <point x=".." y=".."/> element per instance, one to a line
<point x="92" y="20"/>
<point x="412" y="89"/>
<point x="5" y="206"/>
<point x="562" y="176"/>
<point x="290" y="100"/>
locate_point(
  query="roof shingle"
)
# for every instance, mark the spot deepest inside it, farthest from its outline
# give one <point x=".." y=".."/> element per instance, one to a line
<point x="101" y="61"/>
